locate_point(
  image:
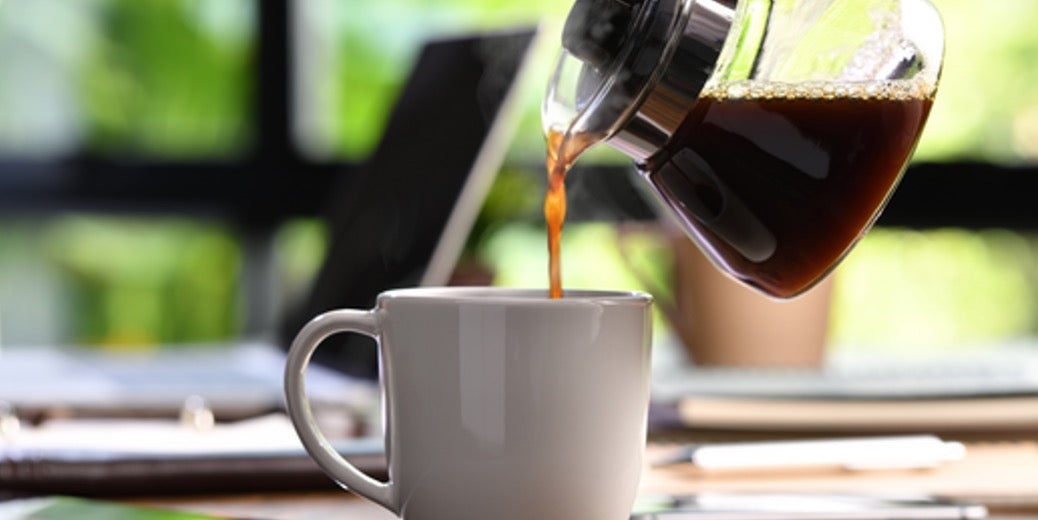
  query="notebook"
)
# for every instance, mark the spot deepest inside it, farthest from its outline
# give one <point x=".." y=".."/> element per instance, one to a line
<point x="988" y="391"/>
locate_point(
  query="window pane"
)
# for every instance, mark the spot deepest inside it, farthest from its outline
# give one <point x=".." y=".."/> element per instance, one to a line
<point x="353" y="57"/>
<point x="940" y="289"/>
<point x="154" y="78"/>
<point x="987" y="104"/>
<point x="117" y="281"/>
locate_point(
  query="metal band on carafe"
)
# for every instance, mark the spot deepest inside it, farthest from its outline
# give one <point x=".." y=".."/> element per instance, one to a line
<point x="686" y="64"/>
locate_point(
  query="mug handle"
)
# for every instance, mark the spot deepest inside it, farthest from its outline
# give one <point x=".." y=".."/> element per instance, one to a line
<point x="303" y="347"/>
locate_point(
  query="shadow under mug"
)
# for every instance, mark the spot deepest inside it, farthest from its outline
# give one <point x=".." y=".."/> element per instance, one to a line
<point x="498" y="403"/>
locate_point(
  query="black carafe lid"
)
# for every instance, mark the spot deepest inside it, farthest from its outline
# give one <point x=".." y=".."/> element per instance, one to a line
<point x="595" y="29"/>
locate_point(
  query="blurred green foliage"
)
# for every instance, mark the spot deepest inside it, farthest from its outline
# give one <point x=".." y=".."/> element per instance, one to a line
<point x="299" y="246"/>
<point x="156" y="78"/>
<point x="987" y="105"/>
<point x="905" y="289"/>
<point x="147" y="282"/>
<point x="171" y="78"/>
<point x="369" y="47"/>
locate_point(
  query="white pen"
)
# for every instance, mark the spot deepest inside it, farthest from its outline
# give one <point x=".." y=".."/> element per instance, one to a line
<point x="803" y="506"/>
<point x="858" y="453"/>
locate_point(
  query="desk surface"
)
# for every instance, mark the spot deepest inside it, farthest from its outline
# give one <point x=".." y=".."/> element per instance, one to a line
<point x="345" y="506"/>
<point x="288" y="506"/>
<point x="1003" y="475"/>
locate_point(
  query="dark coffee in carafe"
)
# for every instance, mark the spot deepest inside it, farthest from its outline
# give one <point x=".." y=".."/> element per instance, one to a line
<point x="773" y="131"/>
<point x="776" y="182"/>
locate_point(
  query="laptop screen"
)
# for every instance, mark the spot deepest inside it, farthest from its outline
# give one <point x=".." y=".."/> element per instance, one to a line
<point x="404" y="220"/>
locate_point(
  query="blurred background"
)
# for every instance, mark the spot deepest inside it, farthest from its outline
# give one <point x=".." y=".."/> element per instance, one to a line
<point x="162" y="164"/>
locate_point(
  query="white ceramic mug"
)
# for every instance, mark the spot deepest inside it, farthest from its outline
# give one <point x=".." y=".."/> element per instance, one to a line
<point x="499" y="403"/>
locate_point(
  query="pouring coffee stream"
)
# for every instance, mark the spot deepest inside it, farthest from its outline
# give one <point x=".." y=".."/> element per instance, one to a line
<point x="773" y="131"/>
<point x="603" y="38"/>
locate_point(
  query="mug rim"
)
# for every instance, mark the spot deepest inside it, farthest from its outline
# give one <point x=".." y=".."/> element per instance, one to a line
<point x="491" y="294"/>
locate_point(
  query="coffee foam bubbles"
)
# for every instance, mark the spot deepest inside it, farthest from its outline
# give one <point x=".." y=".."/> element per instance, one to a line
<point x="821" y="90"/>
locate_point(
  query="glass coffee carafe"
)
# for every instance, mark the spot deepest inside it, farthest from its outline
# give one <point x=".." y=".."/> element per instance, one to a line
<point x="773" y="130"/>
